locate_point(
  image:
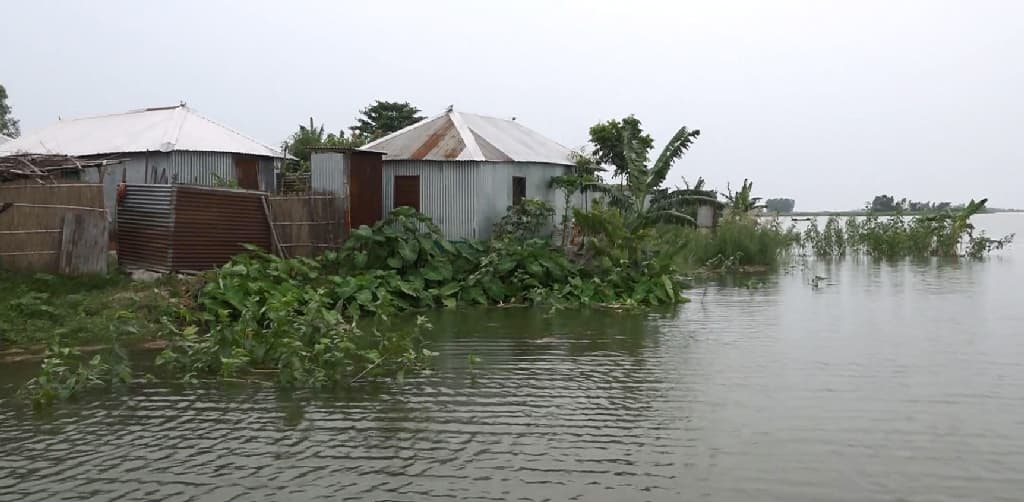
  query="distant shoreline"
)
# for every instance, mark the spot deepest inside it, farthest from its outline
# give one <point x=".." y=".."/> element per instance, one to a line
<point x="861" y="212"/>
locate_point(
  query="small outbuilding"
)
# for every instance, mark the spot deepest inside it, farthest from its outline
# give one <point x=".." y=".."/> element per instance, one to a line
<point x="167" y="145"/>
<point x="464" y="170"/>
<point x="354" y="176"/>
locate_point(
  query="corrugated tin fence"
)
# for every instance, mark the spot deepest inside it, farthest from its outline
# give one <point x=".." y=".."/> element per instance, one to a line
<point x="307" y="225"/>
<point x="53" y="228"/>
<point x="193" y="228"/>
<point x="189" y="228"/>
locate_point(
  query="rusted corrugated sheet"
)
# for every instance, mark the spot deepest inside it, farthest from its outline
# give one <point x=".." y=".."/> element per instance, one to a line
<point x="145" y="222"/>
<point x="187" y="228"/>
<point x="211" y="224"/>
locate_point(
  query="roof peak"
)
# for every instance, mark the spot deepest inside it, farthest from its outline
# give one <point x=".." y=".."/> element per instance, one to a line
<point x="459" y="135"/>
<point x="165" y="128"/>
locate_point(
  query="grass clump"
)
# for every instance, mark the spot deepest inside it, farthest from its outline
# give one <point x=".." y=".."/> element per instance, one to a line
<point x="739" y="242"/>
<point x="36" y="308"/>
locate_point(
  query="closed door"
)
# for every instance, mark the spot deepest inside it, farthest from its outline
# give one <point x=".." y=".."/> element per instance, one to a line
<point x="365" y="184"/>
<point x="407" y="191"/>
<point x="247" y="172"/>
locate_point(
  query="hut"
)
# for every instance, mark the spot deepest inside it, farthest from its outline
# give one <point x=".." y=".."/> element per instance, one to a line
<point x="464" y="170"/>
<point x="166" y="145"/>
<point x="354" y="176"/>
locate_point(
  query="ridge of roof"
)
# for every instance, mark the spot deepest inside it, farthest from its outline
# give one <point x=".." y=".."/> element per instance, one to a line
<point x="165" y="128"/>
<point x="502" y="137"/>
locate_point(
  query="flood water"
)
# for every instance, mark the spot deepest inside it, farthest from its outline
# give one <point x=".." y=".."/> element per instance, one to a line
<point x="891" y="381"/>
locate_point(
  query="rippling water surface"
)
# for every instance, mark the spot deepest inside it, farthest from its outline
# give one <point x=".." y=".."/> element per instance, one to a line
<point x="899" y="381"/>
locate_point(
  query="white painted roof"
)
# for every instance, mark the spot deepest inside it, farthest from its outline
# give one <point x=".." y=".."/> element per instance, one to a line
<point x="151" y="129"/>
<point x="467" y="136"/>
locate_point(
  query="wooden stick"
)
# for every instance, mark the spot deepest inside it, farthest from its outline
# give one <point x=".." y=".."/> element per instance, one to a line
<point x="29" y="231"/>
<point x="273" y="231"/>
<point x="304" y="222"/>
<point x="20" y="253"/>
<point x="50" y="206"/>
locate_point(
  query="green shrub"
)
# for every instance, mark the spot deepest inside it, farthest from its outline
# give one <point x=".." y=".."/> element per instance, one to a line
<point x="530" y="219"/>
<point x="324" y="322"/>
<point x="739" y="241"/>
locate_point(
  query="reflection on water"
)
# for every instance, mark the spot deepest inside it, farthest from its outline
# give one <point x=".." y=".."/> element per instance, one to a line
<point x="890" y="381"/>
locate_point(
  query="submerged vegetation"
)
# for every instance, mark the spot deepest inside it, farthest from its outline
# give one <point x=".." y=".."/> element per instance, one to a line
<point x="948" y="233"/>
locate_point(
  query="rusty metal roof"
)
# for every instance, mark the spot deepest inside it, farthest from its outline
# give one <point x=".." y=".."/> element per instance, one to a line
<point x="466" y="136"/>
<point x="173" y="128"/>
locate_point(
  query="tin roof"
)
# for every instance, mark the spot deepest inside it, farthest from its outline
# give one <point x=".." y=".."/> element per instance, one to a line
<point x="151" y="129"/>
<point x="467" y="136"/>
<point x="4" y="139"/>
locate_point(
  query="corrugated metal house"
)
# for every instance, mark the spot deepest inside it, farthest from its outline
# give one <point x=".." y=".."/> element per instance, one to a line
<point x="172" y="144"/>
<point x="464" y="170"/>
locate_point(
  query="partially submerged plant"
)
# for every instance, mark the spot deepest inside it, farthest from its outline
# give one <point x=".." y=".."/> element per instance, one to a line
<point x="66" y="373"/>
<point x="945" y="234"/>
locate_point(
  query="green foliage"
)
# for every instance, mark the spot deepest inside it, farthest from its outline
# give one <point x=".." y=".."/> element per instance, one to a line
<point x="325" y="322"/>
<point x="530" y="219"/>
<point x="220" y="181"/>
<point x="583" y="175"/>
<point x="948" y="233"/>
<point x="616" y="140"/>
<point x="780" y="205"/>
<point x="8" y="124"/>
<point x="302" y="141"/>
<point x="743" y="201"/>
<point x="737" y="242"/>
<point x="383" y="118"/>
<point x="65" y="373"/>
<point x="639" y="212"/>
<point x="80" y="309"/>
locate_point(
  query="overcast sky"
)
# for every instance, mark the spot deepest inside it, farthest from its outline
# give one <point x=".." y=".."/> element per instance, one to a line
<point x="826" y="102"/>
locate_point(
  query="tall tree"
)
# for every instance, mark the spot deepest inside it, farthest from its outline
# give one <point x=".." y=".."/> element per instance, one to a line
<point x="383" y="118"/>
<point x="8" y="124"/>
<point x="610" y="143"/>
<point x="640" y="180"/>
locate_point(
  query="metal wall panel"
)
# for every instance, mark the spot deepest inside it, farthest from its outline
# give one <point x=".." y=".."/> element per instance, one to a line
<point x="268" y="180"/>
<point x="145" y="220"/>
<point x="495" y="193"/>
<point x="212" y="224"/>
<point x="328" y="173"/>
<point x="448" y="193"/>
<point x="197" y="168"/>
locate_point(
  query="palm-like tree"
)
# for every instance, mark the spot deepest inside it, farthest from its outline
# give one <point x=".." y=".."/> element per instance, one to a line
<point x="638" y="211"/>
<point x="640" y="181"/>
